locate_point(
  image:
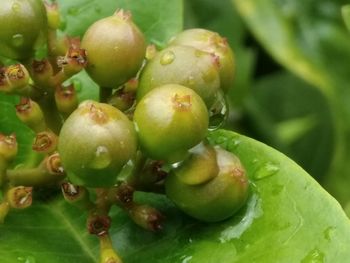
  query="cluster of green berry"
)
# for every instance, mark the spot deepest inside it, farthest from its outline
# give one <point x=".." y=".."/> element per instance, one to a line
<point x="147" y="132"/>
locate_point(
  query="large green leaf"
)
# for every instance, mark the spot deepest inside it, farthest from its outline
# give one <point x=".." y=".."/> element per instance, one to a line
<point x="280" y="114"/>
<point x="288" y="218"/>
<point x="311" y="39"/>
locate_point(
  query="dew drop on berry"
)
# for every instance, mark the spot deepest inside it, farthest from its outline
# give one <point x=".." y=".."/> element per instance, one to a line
<point x="102" y="158"/>
<point x="167" y="58"/>
<point x="17" y="40"/>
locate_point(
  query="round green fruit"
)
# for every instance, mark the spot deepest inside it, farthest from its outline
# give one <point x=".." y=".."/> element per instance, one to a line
<point x="115" y="49"/>
<point x="22" y="25"/>
<point x="200" y="167"/>
<point x="216" y="199"/>
<point x="95" y="142"/>
<point x="182" y="65"/>
<point x="211" y="42"/>
<point x="170" y="120"/>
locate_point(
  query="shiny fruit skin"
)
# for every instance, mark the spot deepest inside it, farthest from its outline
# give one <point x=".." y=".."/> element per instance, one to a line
<point x="185" y="66"/>
<point x="115" y="49"/>
<point x="22" y="25"/>
<point x="95" y="142"/>
<point x="169" y="121"/>
<point x="211" y="42"/>
<point x="216" y="199"/>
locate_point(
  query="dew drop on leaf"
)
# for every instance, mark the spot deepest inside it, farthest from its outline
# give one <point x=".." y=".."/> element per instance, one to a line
<point x="167" y="58"/>
<point x="233" y="144"/>
<point x="328" y="232"/>
<point x="186" y="259"/>
<point x="266" y="170"/>
<point x="314" y="256"/>
<point x="26" y="259"/>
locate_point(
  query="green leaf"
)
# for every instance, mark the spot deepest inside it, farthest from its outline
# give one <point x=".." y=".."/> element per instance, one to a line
<point x="281" y="115"/>
<point x="159" y="20"/>
<point x="288" y="218"/>
<point x="346" y="15"/>
<point x="310" y="39"/>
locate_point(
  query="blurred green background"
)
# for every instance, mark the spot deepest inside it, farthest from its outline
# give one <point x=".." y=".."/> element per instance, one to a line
<point x="292" y="86"/>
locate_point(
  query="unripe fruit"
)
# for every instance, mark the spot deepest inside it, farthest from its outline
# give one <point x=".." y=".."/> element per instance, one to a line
<point x="170" y="120"/>
<point x="211" y="42"/>
<point x="216" y="199"/>
<point x="94" y="144"/>
<point x="182" y="65"/>
<point x="200" y="167"/>
<point x="115" y="49"/>
<point x="22" y="24"/>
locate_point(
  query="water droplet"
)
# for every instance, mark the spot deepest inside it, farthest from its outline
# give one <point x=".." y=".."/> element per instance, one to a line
<point x="17" y="40"/>
<point x="233" y="144"/>
<point x="218" y="112"/>
<point x="167" y="58"/>
<point x="220" y="140"/>
<point x="26" y="259"/>
<point x="235" y="231"/>
<point x="176" y="165"/>
<point x="255" y="160"/>
<point x="266" y="170"/>
<point x="16" y="7"/>
<point x="102" y="158"/>
<point x="73" y="11"/>
<point x="328" y="232"/>
<point x="186" y="259"/>
<point x="314" y="256"/>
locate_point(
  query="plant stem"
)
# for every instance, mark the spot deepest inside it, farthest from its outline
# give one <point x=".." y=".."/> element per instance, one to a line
<point x="38" y="176"/>
<point x="108" y="254"/>
<point x="4" y="209"/>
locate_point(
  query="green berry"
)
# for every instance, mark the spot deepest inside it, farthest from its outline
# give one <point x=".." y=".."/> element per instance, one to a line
<point x="216" y="199"/>
<point x="211" y="42"/>
<point x="200" y="167"/>
<point x="170" y="120"/>
<point x="115" y="49"/>
<point x="22" y="24"/>
<point x="185" y="66"/>
<point x="95" y="143"/>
